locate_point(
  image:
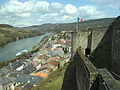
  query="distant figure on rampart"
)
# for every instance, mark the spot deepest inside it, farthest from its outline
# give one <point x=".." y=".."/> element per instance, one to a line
<point x="87" y="52"/>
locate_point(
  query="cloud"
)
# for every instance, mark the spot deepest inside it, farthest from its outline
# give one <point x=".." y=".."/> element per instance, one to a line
<point x="109" y="3"/>
<point x="56" y="6"/>
<point x="47" y="17"/>
<point x="14" y="6"/>
<point x="24" y="15"/>
<point x="33" y="12"/>
<point x="42" y="6"/>
<point x="69" y="9"/>
<point x="89" y="11"/>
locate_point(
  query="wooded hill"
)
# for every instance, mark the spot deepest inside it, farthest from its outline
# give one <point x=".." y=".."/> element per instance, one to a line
<point x="97" y="23"/>
<point x="9" y="33"/>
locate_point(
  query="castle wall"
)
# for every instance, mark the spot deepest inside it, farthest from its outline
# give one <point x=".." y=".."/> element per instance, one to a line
<point x="85" y="71"/>
<point x="116" y="46"/>
<point x="88" y="77"/>
<point x="97" y="36"/>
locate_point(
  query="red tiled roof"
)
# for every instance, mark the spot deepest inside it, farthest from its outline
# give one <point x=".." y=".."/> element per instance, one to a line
<point x="48" y="48"/>
<point x="41" y="74"/>
<point x="62" y="58"/>
<point x="68" y="42"/>
<point x="35" y="63"/>
<point x="62" y="41"/>
<point x="53" y="58"/>
<point x="57" y="48"/>
<point x="54" y="63"/>
<point x="49" y="69"/>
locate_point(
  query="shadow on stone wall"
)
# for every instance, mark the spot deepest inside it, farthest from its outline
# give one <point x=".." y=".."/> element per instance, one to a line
<point x="101" y="56"/>
<point x="86" y="72"/>
<point x="69" y="82"/>
<point x="88" y="77"/>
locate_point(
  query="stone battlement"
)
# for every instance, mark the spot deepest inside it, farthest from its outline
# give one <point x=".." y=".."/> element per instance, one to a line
<point x="88" y="77"/>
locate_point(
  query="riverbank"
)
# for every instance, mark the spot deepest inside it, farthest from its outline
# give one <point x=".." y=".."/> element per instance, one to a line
<point x="5" y="41"/>
<point x="28" y="70"/>
<point x="10" y="34"/>
<point x="35" y="49"/>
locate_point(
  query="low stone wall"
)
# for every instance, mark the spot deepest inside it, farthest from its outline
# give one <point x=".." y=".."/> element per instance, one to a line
<point x="107" y="81"/>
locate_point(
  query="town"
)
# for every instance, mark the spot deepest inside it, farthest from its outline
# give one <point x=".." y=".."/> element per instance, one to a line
<point x="30" y="69"/>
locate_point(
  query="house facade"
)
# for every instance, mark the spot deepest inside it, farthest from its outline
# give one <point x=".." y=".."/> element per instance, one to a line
<point x="53" y="64"/>
<point x="6" y="84"/>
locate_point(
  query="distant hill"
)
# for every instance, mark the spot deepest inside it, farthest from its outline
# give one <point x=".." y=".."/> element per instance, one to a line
<point x="6" y="25"/>
<point x="72" y="26"/>
<point x="9" y="33"/>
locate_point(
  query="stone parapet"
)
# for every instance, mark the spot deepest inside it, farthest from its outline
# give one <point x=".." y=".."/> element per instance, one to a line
<point x="88" y="77"/>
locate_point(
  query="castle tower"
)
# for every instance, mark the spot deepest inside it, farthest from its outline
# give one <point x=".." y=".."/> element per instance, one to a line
<point x="74" y="43"/>
<point x="89" y="43"/>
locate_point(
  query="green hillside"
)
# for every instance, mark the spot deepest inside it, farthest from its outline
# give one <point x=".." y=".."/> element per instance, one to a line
<point x="9" y="33"/>
<point x="72" y="26"/>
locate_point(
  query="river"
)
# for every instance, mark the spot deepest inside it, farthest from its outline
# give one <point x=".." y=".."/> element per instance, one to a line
<point x="9" y="51"/>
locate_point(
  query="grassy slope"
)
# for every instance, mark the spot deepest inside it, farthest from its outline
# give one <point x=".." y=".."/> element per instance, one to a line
<point x="61" y="79"/>
<point x="53" y="82"/>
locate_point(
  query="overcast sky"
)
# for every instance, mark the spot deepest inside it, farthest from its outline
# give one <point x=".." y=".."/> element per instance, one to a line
<point x="35" y="12"/>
